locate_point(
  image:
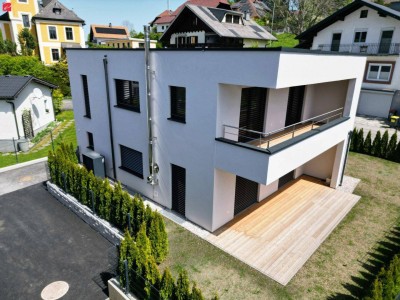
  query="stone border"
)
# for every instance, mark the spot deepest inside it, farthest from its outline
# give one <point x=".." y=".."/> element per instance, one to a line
<point x="116" y="293"/>
<point x="112" y="234"/>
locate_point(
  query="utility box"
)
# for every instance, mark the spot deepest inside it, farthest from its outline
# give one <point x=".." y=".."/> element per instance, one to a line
<point x="94" y="161"/>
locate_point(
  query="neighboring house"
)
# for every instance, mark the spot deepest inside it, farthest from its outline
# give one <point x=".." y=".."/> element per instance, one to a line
<point x="200" y="26"/>
<point x="54" y="27"/>
<point x="26" y="107"/>
<point x="101" y="33"/>
<point x="164" y="20"/>
<point x="257" y="8"/>
<point x="222" y="121"/>
<point x="369" y="29"/>
<point x="128" y="43"/>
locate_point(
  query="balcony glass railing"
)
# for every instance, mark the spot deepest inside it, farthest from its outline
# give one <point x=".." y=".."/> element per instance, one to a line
<point x="266" y="140"/>
<point x="367" y="48"/>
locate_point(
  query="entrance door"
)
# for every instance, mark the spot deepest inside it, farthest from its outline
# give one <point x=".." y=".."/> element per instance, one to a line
<point x="27" y="124"/>
<point x="252" y="112"/>
<point x="285" y="179"/>
<point x="335" y="45"/>
<point x="386" y="41"/>
<point x="178" y="175"/>
<point x="246" y="194"/>
<point x="295" y="105"/>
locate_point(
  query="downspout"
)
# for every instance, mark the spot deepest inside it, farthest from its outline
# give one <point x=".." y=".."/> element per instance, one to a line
<point x="15" y="116"/>
<point x="105" y="62"/>
<point x="153" y="167"/>
<point x="345" y="158"/>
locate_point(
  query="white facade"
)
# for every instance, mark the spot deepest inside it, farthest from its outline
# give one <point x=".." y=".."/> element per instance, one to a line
<point x="41" y="109"/>
<point x="364" y="35"/>
<point x="213" y="99"/>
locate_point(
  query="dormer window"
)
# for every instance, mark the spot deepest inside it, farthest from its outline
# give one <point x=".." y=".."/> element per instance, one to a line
<point x="232" y="19"/>
<point x="236" y="19"/>
<point x="228" y="18"/>
<point x="57" y="10"/>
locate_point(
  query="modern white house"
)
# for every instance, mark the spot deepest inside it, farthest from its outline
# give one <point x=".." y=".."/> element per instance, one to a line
<point x="369" y="29"/>
<point x="26" y="107"/>
<point x="227" y="127"/>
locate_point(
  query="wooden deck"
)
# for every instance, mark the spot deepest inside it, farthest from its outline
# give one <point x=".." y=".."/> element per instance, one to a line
<point x="278" y="235"/>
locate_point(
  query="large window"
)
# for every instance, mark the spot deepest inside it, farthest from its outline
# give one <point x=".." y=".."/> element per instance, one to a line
<point x="52" y="32"/>
<point x="25" y="21"/>
<point x="86" y="96"/>
<point x="69" y="33"/>
<point x="131" y="161"/>
<point x="178" y="104"/>
<point x="379" y="72"/>
<point x="128" y="94"/>
<point x="360" y="36"/>
<point x="55" y="54"/>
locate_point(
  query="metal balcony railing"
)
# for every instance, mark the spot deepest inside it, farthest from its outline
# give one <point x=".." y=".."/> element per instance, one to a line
<point x="367" y="48"/>
<point x="266" y="140"/>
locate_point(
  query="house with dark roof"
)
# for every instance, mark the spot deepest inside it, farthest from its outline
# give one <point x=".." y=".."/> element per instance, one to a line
<point x="54" y="26"/>
<point x="200" y="26"/>
<point x="101" y="33"/>
<point x="256" y="8"/>
<point x="365" y="28"/>
<point x="26" y="108"/>
<point x="164" y="20"/>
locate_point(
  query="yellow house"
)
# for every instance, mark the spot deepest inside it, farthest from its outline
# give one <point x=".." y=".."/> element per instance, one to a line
<point x="54" y="26"/>
<point x="128" y="43"/>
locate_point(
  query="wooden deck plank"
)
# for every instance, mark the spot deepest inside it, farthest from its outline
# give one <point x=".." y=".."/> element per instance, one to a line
<point x="278" y="235"/>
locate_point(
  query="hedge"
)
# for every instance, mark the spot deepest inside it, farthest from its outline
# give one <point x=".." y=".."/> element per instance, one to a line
<point x="110" y="203"/>
<point x="386" y="285"/>
<point x="381" y="146"/>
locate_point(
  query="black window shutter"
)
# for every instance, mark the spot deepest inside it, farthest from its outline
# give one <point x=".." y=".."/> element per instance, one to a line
<point x="128" y="94"/>
<point x="132" y="161"/>
<point x="178" y="103"/>
<point x="86" y="95"/>
<point x="178" y="189"/>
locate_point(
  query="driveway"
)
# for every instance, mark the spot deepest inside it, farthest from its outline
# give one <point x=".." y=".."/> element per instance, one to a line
<point x="41" y="242"/>
<point x="374" y="124"/>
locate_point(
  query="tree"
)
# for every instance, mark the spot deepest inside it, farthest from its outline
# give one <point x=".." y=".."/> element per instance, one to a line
<point x="182" y="291"/>
<point x="397" y="153"/>
<point x="27" y="42"/>
<point x="60" y="75"/>
<point x="359" y="142"/>
<point x="391" y="149"/>
<point x="57" y="100"/>
<point x="196" y="293"/>
<point x="167" y="285"/>
<point x="158" y="237"/>
<point x="384" y="145"/>
<point x="376" y="145"/>
<point x="367" y="144"/>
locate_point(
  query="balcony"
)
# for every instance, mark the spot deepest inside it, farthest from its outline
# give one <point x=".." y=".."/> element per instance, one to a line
<point x="265" y="157"/>
<point x="364" y="48"/>
<point x="268" y="140"/>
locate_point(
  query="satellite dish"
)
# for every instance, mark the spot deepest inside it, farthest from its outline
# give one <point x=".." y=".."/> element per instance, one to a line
<point x="37" y="92"/>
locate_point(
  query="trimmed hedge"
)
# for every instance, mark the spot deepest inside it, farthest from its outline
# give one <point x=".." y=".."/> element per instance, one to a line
<point x="110" y="203"/>
<point x="386" y="285"/>
<point x="381" y="146"/>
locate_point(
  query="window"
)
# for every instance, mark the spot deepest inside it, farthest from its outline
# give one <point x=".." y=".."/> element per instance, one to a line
<point x="178" y="104"/>
<point x="90" y="140"/>
<point x="228" y="19"/>
<point x="379" y="72"/>
<point x="86" y="96"/>
<point x="23" y="1"/>
<point x="131" y="161"/>
<point x="236" y="19"/>
<point x="52" y="32"/>
<point x="141" y="45"/>
<point x="26" y="21"/>
<point x="363" y="14"/>
<point x="128" y="94"/>
<point x="69" y="33"/>
<point x="162" y="27"/>
<point x="55" y="54"/>
<point x="360" y="36"/>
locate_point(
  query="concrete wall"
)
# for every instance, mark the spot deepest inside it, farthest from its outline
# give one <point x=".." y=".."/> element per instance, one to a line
<point x="322" y="165"/>
<point x="212" y="99"/>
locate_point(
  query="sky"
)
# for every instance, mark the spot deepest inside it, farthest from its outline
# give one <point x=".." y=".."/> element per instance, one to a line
<point x="137" y="12"/>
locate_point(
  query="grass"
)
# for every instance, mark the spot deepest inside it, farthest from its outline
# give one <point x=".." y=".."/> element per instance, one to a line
<point x="336" y="270"/>
<point x="68" y="135"/>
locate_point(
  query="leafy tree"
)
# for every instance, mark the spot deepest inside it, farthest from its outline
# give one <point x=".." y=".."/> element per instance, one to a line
<point x="367" y="147"/>
<point x="60" y="76"/>
<point x="376" y="145"/>
<point x="27" y="42"/>
<point x="57" y="100"/>
<point x="287" y="40"/>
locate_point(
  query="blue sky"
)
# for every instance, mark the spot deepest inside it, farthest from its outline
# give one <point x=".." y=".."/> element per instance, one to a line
<point x="137" y="12"/>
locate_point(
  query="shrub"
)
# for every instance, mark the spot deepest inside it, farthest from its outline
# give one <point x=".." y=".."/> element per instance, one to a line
<point x="196" y="293"/>
<point x="182" y="291"/>
<point x="376" y="145"/>
<point x="353" y="139"/>
<point x="397" y="153"/>
<point x="367" y="147"/>
<point x="167" y="285"/>
<point x="391" y="149"/>
<point x="158" y="238"/>
<point x="384" y="145"/>
<point x="57" y="100"/>
<point x="359" y="141"/>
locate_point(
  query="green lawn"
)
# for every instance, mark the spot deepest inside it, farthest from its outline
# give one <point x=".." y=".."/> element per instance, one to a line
<point x="335" y="271"/>
<point x="68" y="135"/>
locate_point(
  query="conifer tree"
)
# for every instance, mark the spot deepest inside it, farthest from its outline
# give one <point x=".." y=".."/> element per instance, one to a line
<point x="353" y="139"/>
<point x="367" y="144"/>
<point x="182" y="291"/>
<point x="359" y="143"/>
<point x="116" y="205"/>
<point x="376" y="145"/>
<point x="391" y="149"/>
<point x="126" y="207"/>
<point x="384" y="145"/>
<point x="196" y="293"/>
<point x="84" y="186"/>
<point x="158" y="237"/>
<point x="397" y="153"/>
<point x="139" y="213"/>
<point x="167" y="285"/>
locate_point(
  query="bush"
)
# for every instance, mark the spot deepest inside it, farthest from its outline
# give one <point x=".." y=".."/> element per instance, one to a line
<point x="367" y="144"/>
<point x="359" y="141"/>
<point x="376" y="145"/>
<point x="391" y="149"/>
<point x="182" y="291"/>
<point x="384" y="145"/>
<point x="167" y="285"/>
<point x="57" y="100"/>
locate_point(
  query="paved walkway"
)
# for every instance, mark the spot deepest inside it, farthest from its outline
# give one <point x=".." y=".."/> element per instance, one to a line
<point x="374" y="124"/>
